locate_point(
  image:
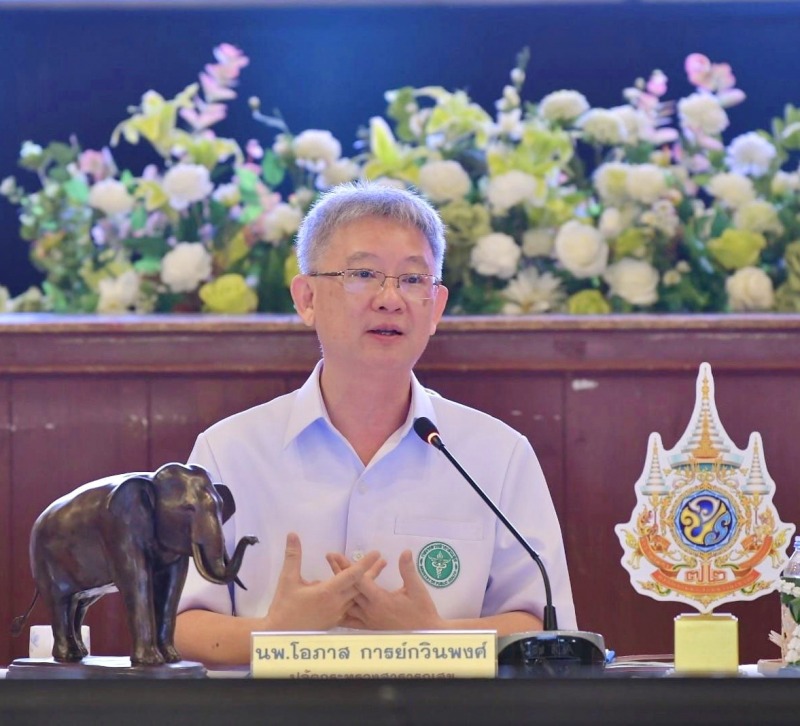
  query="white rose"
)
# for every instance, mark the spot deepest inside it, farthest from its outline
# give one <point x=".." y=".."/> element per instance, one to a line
<point x="185" y="184"/>
<point x="538" y="242"/>
<point x="497" y="255"/>
<point x="185" y="266"/>
<point x="509" y="123"/>
<point x="581" y="249"/>
<point x="603" y="127"/>
<point x="514" y="187"/>
<point x="316" y="148"/>
<point x="702" y="112"/>
<point x="635" y="281"/>
<point x="749" y="289"/>
<point x="632" y="120"/>
<point x="118" y="294"/>
<point x="750" y="154"/>
<point x="339" y="172"/>
<point x="110" y="197"/>
<point x="731" y="189"/>
<point x="645" y="183"/>
<point x="563" y="106"/>
<point x="280" y="222"/>
<point x="611" y="182"/>
<point x="757" y="216"/>
<point x="444" y="181"/>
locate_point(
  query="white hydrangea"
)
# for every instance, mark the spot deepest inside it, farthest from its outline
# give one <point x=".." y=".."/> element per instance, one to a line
<point x="731" y="189"/>
<point x="118" y="294"/>
<point x="602" y="126"/>
<point x="581" y="249"/>
<point x="316" y="148"/>
<point x="635" y="281"/>
<point x="750" y="154"/>
<point x="514" y="187"/>
<point x="610" y="223"/>
<point x="757" y="216"/>
<point x="339" y="172"/>
<point x="496" y="255"/>
<point x="563" y="105"/>
<point x="186" y="184"/>
<point x="509" y="123"/>
<point x="532" y="292"/>
<point x="185" y="266"/>
<point x="279" y="223"/>
<point x="750" y="289"/>
<point x="635" y="122"/>
<point x="444" y="181"/>
<point x="611" y="182"/>
<point x="538" y="242"/>
<point x="702" y="112"/>
<point x="645" y="183"/>
<point x="111" y="197"/>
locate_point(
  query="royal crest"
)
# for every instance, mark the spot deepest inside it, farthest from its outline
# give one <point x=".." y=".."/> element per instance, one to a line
<point x="704" y="529"/>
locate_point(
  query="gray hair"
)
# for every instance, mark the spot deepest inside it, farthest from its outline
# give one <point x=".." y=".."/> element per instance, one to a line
<point x="359" y="200"/>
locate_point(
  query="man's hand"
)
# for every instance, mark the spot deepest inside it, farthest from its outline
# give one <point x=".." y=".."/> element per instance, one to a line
<point x="408" y="608"/>
<point x="318" y="605"/>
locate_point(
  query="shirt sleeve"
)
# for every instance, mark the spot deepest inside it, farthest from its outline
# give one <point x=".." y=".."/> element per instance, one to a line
<point x="198" y="593"/>
<point x="515" y="582"/>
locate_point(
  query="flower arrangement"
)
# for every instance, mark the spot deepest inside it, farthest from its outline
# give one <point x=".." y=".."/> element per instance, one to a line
<point x="550" y="206"/>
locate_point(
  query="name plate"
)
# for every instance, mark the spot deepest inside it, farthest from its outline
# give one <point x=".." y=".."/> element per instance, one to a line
<point x="359" y="654"/>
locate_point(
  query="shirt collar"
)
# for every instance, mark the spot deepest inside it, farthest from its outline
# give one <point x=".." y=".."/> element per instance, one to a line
<point x="309" y="407"/>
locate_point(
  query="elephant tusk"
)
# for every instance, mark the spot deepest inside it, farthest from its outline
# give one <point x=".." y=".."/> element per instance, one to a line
<point x="202" y="567"/>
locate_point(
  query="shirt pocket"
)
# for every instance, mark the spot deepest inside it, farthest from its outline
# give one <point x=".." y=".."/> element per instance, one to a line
<point x="434" y="528"/>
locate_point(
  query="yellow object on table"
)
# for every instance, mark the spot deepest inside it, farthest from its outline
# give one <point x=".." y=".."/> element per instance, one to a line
<point x="706" y="643"/>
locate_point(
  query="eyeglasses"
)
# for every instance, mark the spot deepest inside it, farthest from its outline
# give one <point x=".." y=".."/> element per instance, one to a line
<point x="413" y="285"/>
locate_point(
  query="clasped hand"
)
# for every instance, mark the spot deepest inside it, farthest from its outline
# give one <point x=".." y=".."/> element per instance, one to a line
<point x="351" y="597"/>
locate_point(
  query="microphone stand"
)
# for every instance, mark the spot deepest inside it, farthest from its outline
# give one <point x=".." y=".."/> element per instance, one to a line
<point x="550" y="652"/>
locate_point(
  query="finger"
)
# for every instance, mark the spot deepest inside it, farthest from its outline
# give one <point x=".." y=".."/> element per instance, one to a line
<point x="349" y="577"/>
<point x="411" y="579"/>
<point x="292" y="557"/>
<point x="337" y="562"/>
<point x="376" y="569"/>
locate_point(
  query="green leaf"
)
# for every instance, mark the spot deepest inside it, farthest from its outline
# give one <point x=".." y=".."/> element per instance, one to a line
<point x="77" y="190"/>
<point x="148" y="265"/>
<point x="138" y="218"/>
<point x="273" y="169"/>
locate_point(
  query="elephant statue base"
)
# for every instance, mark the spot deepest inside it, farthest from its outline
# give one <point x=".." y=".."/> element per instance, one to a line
<point x="132" y="533"/>
<point x="99" y="667"/>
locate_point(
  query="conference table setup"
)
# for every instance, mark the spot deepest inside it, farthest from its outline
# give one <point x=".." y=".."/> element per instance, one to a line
<point x="111" y="392"/>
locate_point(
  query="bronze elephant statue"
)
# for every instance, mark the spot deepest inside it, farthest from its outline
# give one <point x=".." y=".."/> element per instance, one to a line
<point x="133" y="533"/>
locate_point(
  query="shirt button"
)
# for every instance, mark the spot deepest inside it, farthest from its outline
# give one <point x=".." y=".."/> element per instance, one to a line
<point x="357" y="555"/>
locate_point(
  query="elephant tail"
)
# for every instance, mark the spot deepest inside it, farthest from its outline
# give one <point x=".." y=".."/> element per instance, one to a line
<point x="18" y="623"/>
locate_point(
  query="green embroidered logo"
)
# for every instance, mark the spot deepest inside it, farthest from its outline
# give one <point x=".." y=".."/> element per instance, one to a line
<point x="438" y="564"/>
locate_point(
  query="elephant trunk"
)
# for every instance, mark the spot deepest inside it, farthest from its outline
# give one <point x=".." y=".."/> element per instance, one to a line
<point x="221" y="571"/>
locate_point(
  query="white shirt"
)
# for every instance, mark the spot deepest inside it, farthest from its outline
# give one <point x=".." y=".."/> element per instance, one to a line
<point x="289" y="469"/>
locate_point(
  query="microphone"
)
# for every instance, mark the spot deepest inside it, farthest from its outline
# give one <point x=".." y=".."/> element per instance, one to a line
<point x="552" y="651"/>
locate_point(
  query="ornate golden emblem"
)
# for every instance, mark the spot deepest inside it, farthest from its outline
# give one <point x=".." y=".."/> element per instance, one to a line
<point x="704" y="530"/>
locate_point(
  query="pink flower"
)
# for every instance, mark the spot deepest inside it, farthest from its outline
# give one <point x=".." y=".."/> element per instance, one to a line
<point x="213" y="90"/>
<point x="710" y="76"/>
<point x="230" y="55"/>
<point x="98" y="164"/>
<point x="657" y="84"/>
<point x="254" y="150"/>
<point x="204" y="114"/>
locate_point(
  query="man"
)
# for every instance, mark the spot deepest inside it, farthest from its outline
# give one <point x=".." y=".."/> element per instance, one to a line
<point x="361" y="523"/>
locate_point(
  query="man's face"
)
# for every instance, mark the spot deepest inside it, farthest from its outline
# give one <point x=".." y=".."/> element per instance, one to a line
<point x="372" y="328"/>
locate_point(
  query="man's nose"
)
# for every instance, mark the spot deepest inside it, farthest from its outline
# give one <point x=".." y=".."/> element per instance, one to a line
<point x="389" y="294"/>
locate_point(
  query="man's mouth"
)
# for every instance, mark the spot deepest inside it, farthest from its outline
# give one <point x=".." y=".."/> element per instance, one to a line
<point x="387" y="332"/>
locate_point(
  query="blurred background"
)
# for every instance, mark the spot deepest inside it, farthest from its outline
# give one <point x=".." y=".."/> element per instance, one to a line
<point x="75" y="68"/>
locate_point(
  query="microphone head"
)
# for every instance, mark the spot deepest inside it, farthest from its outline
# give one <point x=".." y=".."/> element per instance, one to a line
<point x="426" y="430"/>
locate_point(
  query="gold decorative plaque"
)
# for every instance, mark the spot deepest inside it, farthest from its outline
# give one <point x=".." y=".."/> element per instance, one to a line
<point x="704" y="530"/>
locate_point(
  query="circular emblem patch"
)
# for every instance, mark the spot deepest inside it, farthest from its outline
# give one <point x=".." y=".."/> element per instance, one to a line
<point x="438" y="564"/>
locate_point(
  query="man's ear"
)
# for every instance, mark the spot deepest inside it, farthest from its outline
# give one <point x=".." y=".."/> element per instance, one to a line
<point x="439" y="303"/>
<point x="303" y="297"/>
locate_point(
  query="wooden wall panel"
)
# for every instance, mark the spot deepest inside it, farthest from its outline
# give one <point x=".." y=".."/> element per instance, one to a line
<point x="6" y="558"/>
<point x="66" y="433"/>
